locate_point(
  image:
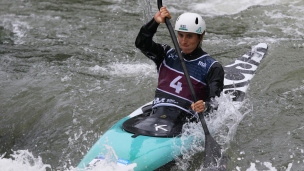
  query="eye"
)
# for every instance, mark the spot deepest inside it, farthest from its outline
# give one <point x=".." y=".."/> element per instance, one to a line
<point x="189" y="36"/>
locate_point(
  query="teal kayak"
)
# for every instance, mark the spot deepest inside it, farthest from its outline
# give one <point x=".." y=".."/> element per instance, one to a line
<point x="137" y="152"/>
<point x="142" y="152"/>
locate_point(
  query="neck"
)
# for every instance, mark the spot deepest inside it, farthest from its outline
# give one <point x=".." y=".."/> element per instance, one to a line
<point x="198" y="52"/>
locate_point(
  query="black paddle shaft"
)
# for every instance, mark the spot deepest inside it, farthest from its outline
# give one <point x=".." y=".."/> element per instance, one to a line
<point x="212" y="148"/>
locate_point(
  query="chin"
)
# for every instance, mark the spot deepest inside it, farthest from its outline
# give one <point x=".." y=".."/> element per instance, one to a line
<point x="186" y="51"/>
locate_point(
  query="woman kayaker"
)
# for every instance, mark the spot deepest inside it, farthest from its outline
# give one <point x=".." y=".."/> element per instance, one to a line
<point x="207" y="74"/>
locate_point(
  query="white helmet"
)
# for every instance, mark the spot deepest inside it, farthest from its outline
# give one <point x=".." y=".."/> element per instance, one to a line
<point x="190" y="22"/>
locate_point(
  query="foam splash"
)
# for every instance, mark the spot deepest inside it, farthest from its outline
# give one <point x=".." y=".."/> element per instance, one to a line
<point x="222" y="124"/>
<point x="25" y="161"/>
<point x="18" y="27"/>
<point x="22" y="160"/>
<point x="222" y="7"/>
<point x="268" y="165"/>
<point x="191" y="132"/>
<point x="110" y="166"/>
<point x="125" y="69"/>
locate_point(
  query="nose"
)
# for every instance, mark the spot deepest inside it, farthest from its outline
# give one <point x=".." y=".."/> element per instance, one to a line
<point x="183" y="39"/>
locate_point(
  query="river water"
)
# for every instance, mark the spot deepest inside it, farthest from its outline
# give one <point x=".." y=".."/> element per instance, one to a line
<point x="69" y="70"/>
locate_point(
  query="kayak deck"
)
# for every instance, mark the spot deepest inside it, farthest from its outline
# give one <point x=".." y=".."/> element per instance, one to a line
<point x="147" y="152"/>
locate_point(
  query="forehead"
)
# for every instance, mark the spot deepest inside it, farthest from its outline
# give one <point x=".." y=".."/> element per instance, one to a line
<point x="186" y="33"/>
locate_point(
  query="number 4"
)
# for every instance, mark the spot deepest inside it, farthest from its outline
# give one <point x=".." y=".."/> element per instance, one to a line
<point x="176" y="85"/>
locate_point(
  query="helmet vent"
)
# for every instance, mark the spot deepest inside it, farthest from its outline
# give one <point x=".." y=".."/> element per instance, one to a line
<point x="196" y="20"/>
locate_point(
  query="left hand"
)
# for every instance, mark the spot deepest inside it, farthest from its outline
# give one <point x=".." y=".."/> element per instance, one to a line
<point x="198" y="106"/>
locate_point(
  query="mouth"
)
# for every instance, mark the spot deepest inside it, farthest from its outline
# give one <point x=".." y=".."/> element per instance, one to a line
<point x="184" y="46"/>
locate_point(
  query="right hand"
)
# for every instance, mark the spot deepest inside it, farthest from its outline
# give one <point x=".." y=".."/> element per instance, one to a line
<point x="160" y="16"/>
<point x="198" y="106"/>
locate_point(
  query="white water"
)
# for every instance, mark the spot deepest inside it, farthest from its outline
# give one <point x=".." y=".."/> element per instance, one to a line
<point x="222" y="7"/>
<point x="25" y="160"/>
<point x="223" y="124"/>
<point x="22" y="160"/>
